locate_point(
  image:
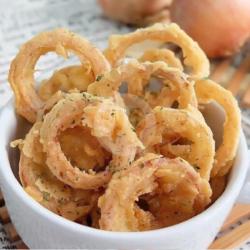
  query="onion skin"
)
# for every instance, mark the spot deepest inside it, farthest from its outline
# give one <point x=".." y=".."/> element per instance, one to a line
<point x="220" y="27"/>
<point x="132" y="11"/>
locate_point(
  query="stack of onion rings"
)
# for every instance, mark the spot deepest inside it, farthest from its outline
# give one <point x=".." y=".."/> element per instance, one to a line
<point x="44" y="187"/>
<point x="169" y="184"/>
<point x="176" y="86"/>
<point x="123" y="148"/>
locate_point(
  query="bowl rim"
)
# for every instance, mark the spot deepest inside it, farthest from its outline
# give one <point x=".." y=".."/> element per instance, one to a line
<point x="234" y="185"/>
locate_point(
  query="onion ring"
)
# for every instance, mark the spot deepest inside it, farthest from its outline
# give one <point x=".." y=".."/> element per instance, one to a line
<point x="194" y="57"/>
<point x="165" y="55"/>
<point x="107" y="122"/>
<point x="172" y="180"/>
<point x="68" y="78"/>
<point x="207" y="91"/>
<point x="176" y="87"/>
<point x="22" y="67"/>
<point x="45" y="188"/>
<point x="164" y="121"/>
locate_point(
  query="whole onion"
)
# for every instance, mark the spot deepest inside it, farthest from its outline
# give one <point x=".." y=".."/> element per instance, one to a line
<point x="132" y="11"/>
<point x="219" y="26"/>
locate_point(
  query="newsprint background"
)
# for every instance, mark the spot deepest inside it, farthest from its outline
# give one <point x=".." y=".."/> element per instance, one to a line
<point x="22" y="19"/>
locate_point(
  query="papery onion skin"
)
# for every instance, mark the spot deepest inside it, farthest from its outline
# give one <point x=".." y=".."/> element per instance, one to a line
<point x="220" y="27"/>
<point x="130" y="11"/>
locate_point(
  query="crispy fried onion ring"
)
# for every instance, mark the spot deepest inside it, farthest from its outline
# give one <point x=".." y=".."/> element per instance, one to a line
<point x="79" y="146"/>
<point x="174" y="192"/>
<point x="45" y="188"/>
<point x="194" y="57"/>
<point x="106" y="121"/>
<point x="68" y="78"/>
<point x="21" y="75"/>
<point x="208" y="91"/>
<point x="198" y="147"/>
<point x="165" y="55"/>
<point x="176" y="86"/>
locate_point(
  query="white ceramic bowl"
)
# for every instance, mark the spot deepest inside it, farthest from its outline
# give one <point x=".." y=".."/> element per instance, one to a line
<point x="40" y="228"/>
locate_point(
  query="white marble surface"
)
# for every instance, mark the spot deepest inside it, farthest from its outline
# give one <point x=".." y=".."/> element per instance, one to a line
<point x="21" y="19"/>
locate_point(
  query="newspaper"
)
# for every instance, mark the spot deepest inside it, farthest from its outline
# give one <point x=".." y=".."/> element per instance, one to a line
<point x="22" y="19"/>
